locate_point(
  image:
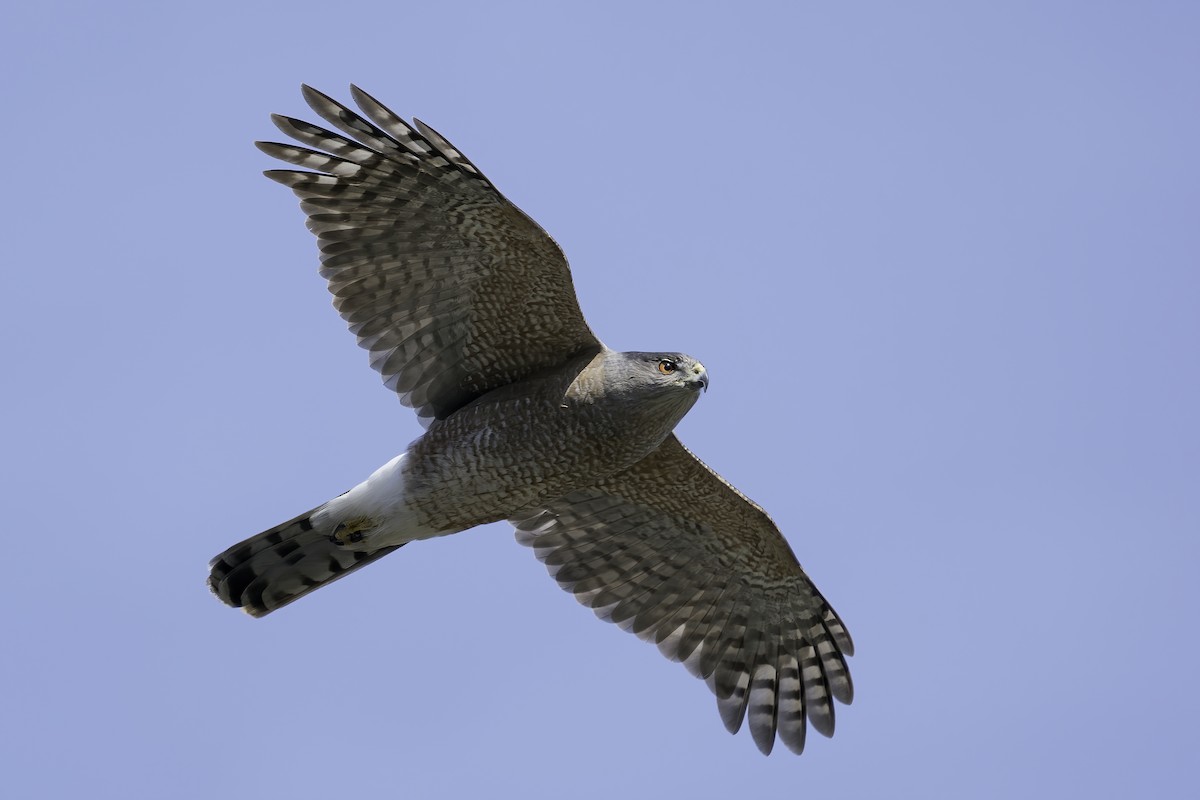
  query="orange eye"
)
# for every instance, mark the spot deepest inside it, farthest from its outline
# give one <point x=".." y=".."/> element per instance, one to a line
<point x="667" y="366"/>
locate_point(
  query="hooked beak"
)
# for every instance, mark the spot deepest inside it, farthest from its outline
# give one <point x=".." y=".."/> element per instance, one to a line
<point x="698" y="377"/>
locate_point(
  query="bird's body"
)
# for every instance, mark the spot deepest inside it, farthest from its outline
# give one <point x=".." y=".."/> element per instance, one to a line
<point x="512" y="450"/>
<point x="519" y="446"/>
<point x="468" y="311"/>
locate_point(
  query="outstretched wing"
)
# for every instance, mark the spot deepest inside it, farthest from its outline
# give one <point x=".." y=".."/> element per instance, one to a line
<point x="452" y="289"/>
<point x="669" y="550"/>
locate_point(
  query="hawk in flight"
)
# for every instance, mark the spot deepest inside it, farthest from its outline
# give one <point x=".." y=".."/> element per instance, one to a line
<point x="468" y="311"/>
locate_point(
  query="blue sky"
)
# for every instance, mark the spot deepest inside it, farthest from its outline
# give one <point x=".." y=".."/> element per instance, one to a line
<point x="942" y="261"/>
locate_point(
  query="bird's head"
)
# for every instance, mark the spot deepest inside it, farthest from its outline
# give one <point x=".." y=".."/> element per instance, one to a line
<point x="657" y="376"/>
<point x="673" y="370"/>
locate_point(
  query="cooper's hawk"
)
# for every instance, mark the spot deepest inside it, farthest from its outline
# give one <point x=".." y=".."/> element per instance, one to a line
<point x="468" y="311"/>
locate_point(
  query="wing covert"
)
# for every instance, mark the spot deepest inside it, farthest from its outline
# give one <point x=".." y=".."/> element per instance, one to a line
<point x="452" y="288"/>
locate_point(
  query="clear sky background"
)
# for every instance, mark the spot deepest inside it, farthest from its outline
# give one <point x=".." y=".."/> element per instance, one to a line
<point x="942" y="260"/>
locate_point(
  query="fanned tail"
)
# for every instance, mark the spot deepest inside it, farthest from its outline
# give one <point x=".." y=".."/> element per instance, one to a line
<point x="270" y="570"/>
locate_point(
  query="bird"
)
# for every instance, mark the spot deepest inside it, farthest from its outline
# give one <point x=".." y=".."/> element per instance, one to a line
<point x="469" y="313"/>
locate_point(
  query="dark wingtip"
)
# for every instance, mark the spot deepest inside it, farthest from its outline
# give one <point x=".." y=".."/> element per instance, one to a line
<point x="315" y="98"/>
<point x="823" y="723"/>
<point x="360" y="96"/>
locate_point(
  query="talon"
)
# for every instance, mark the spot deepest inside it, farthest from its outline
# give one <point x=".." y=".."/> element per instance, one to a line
<point x="350" y="532"/>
